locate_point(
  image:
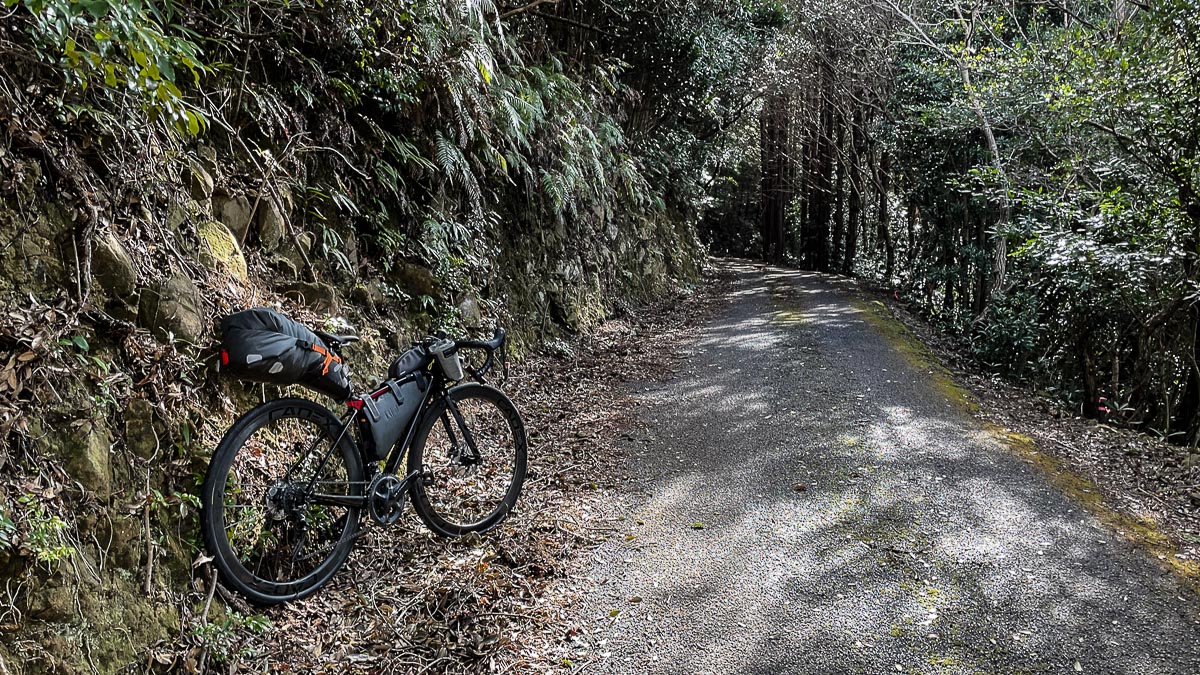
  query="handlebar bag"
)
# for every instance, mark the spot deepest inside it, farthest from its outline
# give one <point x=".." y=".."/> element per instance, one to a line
<point x="409" y="362"/>
<point x="262" y="345"/>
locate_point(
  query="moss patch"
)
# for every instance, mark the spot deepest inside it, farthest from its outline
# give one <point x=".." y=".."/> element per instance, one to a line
<point x="220" y="251"/>
<point x="788" y="317"/>
<point x="1142" y="532"/>
<point x="916" y="353"/>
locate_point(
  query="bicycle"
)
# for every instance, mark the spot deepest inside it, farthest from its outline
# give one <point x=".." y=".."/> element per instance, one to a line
<point x="287" y="486"/>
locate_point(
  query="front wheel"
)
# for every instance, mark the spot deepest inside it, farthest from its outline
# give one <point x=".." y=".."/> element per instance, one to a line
<point x="280" y="500"/>
<point x="470" y="449"/>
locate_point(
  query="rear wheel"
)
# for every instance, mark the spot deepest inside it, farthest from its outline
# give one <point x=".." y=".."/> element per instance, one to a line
<point x="271" y="517"/>
<point x="471" y="449"/>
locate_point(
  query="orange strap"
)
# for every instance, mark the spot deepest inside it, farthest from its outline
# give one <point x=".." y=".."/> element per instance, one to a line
<point x="330" y="357"/>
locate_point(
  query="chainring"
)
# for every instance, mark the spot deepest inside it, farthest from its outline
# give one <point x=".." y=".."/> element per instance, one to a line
<point x="385" y="498"/>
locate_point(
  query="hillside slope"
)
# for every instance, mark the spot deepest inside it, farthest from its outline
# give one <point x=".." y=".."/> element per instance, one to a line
<point x="394" y="169"/>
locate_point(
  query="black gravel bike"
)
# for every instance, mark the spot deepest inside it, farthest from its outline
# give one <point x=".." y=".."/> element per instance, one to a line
<point x="290" y="484"/>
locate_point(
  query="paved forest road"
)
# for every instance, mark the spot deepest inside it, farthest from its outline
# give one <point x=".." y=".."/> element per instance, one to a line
<point x="920" y="544"/>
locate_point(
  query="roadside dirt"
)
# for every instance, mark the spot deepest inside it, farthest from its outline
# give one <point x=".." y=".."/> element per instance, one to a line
<point x="409" y="602"/>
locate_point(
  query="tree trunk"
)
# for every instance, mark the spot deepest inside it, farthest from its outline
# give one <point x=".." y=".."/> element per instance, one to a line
<point x="839" y="225"/>
<point x="914" y="212"/>
<point x="883" y="222"/>
<point x="1000" y="250"/>
<point x="855" y="193"/>
<point x="822" y="186"/>
<point x="774" y="193"/>
<point x="982" y="292"/>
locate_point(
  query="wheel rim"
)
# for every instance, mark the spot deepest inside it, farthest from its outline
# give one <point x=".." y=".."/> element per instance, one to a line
<point x="276" y="539"/>
<point x="464" y="492"/>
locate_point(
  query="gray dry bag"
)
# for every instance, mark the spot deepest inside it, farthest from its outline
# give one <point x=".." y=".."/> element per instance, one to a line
<point x="262" y="345"/>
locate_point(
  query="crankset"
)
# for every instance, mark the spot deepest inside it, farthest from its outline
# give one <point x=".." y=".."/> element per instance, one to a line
<point x="385" y="498"/>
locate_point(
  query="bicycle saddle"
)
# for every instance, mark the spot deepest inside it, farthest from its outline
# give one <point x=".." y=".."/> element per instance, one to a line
<point x="336" y="339"/>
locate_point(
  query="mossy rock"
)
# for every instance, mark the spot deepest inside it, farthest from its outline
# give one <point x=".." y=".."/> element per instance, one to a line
<point x="113" y="267"/>
<point x="172" y="307"/>
<point x="368" y="295"/>
<point x="220" y="251"/>
<point x="86" y="457"/>
<point x="318" y="296"/>
<point x="417" y="281"/>
<point x="142" y="429"/>
<point x="51" y="601"/>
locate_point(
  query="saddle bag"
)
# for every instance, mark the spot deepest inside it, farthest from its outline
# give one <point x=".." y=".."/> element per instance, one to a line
<point x="261" y="345"/>
<point x="386" y="415"/>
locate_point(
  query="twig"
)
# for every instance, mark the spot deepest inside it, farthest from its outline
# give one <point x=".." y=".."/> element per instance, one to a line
<point x="212" y="590"/>
<point x="526" y="8"/>
<point x="233" y="600"/>
<point x="573" y="22"/>
<point x="149" y="539"/>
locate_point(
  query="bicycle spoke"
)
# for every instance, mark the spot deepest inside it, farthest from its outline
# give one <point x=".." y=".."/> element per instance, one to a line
<point x="471" y="450"/>
<point x="274" y="526"/>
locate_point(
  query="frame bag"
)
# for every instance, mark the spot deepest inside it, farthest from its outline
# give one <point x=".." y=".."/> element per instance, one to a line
<point x="262" y="345"/>
<point x="388" y="413"/>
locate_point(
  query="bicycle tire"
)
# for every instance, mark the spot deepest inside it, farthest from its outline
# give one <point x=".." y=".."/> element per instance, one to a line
<point x="491" y="411"/>
<point x="243" y="442"/>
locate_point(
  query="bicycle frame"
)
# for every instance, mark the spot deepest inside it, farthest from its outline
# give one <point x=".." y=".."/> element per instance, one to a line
<point x="398" y="451"/>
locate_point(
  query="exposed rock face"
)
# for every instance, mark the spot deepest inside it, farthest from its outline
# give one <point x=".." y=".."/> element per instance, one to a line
<point x="172" y="306"/>
<point x="53" y="601"/>
<point x="200" y="182"/>
<point x="468" y="309"/>
<point x="190" y="211"/>
<point x="368" y="294"/>
<point x="113" y="267"/>
<point x="417" y="281"/>
<point x="220" y="252"/>
<point x="319" y="296"/>
<point x="85" y="453"/>
<point x="293" y="253"/>
<point x="141" y="430"/>
<point x="235" y="213"/>
<point x="272" y="220"/>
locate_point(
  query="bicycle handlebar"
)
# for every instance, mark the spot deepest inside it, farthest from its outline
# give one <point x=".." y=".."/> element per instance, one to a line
<point x="489" y="346"/>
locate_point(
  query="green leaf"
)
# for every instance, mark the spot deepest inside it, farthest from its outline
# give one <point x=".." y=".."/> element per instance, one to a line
<point x="80" y="342"/>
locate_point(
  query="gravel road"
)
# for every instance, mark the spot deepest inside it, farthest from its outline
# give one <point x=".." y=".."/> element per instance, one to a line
<point x="804" y="498"/>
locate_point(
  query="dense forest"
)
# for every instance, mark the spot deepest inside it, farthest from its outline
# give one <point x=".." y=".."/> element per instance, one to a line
<point x="1025" y="174"/>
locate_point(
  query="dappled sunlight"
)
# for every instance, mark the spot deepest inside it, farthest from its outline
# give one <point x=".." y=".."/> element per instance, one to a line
<point x="841" y="502"/>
